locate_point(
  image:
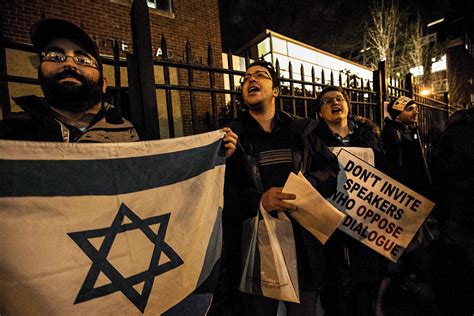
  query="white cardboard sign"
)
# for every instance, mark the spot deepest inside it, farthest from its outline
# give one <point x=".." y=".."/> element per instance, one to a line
<point x="380" y="212"/>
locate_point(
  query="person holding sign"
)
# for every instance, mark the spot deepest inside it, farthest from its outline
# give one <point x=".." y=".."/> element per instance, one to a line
<point x="272" y="144"/>
<point x="354" y="272"/>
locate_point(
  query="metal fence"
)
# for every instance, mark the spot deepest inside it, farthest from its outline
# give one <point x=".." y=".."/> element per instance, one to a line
<point x="298" y="96"/>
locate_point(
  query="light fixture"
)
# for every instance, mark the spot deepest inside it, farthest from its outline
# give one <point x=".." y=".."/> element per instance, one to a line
<point x="425" y="91"/>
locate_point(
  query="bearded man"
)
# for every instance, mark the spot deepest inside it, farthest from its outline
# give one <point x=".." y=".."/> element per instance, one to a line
<point x="70" y="74"/>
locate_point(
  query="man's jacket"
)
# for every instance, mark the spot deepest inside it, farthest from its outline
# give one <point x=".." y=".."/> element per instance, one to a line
<point x="406" y="157"/>
<point x="243" y="190"/>
<point x="37" y="123"/>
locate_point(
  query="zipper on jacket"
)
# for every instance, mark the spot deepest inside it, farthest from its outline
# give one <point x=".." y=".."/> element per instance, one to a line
<point x="347" y="258"/>
<point x="65" y="133"/>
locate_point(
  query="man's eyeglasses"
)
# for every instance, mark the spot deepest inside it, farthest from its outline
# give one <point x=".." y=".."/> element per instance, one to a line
<point x="256" y="75"/>
<point x="59" y="57"/>
<point x="338" y="98"/>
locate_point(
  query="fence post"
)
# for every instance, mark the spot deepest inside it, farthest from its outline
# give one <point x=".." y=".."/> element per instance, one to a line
<point x="4" y="93"/>
<point x="446" y="100"/>
<point x="383" y="77"/>
<point x="212" y="84"/>
<point x="233" y="102"/>
<point x="409" y="85"/>
<point x="167" y="80"/>
<point x="292" y="87"/>
<point x="141" y="36"/>
<point x="134" y="95"/>
<point x="303" y="90"/>
<point x="117" y="78"/>
<point x="279" y="99"/>
<point x="190" y="84"/>
<point x="381" y="90"/>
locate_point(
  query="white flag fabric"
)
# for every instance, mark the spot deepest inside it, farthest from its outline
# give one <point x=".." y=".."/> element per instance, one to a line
<point x="108" y="229"/>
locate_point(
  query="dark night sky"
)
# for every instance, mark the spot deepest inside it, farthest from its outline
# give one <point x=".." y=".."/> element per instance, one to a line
<point x="332" y="25"/>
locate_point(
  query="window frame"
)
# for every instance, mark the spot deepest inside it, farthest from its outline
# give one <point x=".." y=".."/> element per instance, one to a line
<point x="158" y="11"/>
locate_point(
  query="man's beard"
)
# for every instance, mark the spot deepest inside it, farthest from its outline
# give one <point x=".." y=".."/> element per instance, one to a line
<point x="71" y="97"/>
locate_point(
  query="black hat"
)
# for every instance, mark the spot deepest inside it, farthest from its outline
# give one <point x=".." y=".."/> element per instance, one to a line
<point x="399" y="105"/>
<point x="42" y="32"/>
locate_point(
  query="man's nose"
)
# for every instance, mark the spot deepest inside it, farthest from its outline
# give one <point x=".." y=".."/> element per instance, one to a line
<point x="69" y="62"/>
<point x="252" y="78"/>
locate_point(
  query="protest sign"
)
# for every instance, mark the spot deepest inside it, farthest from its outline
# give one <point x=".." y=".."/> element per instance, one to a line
<point x="364" y="153"/>
<point x="380" y="212"/>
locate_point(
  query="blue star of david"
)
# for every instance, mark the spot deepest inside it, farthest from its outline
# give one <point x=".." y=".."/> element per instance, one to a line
<point x="101" y="264"/>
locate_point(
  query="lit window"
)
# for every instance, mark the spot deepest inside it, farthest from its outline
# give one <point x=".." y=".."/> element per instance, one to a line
<point x="159" y="4"/>
<point x="417" y="71"/>
<point x="300" y="52"/>
<point x="439" y="65"/>
<point x="279" y="46"/>
<point x="263" y="47"/>
<point x="156" y="6"/>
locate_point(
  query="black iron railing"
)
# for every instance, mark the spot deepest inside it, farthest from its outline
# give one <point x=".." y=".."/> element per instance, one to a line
<point x="298" y="95"/>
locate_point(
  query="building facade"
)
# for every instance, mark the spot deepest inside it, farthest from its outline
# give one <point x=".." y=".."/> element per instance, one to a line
<point x="274" y="47"/>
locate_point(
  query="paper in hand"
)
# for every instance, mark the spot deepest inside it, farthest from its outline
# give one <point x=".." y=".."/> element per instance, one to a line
<point x="313" y="212"/>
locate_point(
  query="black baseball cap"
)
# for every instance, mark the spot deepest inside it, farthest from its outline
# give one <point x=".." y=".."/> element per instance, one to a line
<point x="42" y="32"/>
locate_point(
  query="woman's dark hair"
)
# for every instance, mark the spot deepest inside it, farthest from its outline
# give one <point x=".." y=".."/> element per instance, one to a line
<point x="319" y="99"/>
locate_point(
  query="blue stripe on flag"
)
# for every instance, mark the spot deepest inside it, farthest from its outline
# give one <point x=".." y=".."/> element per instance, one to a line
<point x="106" y="176"/>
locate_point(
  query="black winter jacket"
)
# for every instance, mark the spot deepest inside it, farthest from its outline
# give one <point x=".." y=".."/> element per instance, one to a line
<point x="353" y="270"/>
<point x="453" y="177"/>
<point x="365" y="134"/>
<point x="242" y="192"/>
<point x="406" y="157"/>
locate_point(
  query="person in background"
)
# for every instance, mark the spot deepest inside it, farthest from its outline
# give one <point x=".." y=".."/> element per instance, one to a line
<point x="354" y="271"/>
<point x="402" y="144"/>
<point x="410" y="280"/>
<point x="453" y="179"/>
<point x="272" y="144"/>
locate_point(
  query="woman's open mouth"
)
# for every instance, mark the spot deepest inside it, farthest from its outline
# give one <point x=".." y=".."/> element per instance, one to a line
<point x="336" y="109"/>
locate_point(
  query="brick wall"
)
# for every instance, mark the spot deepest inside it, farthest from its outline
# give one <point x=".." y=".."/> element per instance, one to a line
<point x="196" y="21"/>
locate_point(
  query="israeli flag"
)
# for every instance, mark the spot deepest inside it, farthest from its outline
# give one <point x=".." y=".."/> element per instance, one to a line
<point x="109" y="229"/>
